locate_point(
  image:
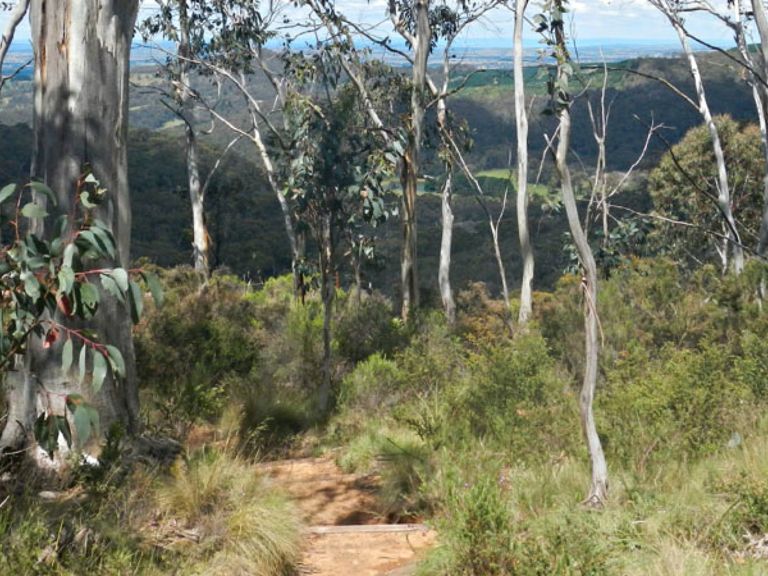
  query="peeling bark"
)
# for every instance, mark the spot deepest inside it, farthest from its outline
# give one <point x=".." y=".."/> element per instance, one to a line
<point x="81" y="112"/>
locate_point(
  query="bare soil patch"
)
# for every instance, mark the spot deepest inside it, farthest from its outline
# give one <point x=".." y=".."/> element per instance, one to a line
<point x="345" y="535"/>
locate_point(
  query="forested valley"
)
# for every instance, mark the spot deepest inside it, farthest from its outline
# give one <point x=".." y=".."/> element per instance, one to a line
<point x="309" y="295"/>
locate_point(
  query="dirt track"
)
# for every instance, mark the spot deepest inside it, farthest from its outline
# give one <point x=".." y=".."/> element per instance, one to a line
<point x="345" y="536"/>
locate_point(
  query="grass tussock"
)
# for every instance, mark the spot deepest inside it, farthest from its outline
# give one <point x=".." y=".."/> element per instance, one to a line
<point x="242" y="524"/>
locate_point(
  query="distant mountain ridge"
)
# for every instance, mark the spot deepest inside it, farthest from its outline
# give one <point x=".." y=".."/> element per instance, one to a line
<point x="479" y="52"/>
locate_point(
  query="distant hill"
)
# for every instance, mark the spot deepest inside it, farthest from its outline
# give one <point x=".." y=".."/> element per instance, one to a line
<point x="244" y="217"/>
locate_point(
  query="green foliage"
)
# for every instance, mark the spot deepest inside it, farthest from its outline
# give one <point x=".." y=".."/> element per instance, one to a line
<point x="48" y="283"/>
<point x="367" y="327"/>
<point x="271" y="416"/>
<point x="375" y="384"/>
<point x="477" y="527"/>
<point x="294" y="355"/>
<point x="515" y="398"/>
<point x="20" y="542"/>
<point x="188" y="347"/>
<point x="683" y="402"/>
<point x="683" y="188"/>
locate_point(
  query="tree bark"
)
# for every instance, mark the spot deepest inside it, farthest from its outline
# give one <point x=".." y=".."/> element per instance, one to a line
<point x="15" y="18"/>
<point x="200" y="236"/>
<point x="410" y="173"/>
<point x="328" y="289"/>
<point x="723" y="190"/>
<point x="761" y="101"/>
<point x="446" y="241"/>
<point x="81" y="51"/>
<point x="598" y="489"/>
<point x="521" y="119"/>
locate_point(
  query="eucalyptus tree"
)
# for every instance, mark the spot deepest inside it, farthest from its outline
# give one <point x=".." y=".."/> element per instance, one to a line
<point x="447" y="20"/>
<point x="181" y="21"/>
<point x="521" y="121"/>
<point x="737" y="17"/>
<point x="552" y="23"/>
<point x="228" y="47"/>
<point x="81" y="55"/>
<point x="761" y="99"/>
<point x="17" y="13"/>
<point x="334" y="172"/>
<point x="731" y="253"/>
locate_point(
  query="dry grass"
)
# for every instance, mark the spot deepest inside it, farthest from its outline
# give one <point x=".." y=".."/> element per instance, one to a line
<point x="241" y="525"/>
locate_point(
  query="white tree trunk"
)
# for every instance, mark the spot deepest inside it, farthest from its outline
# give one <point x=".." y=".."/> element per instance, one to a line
<point x="81" y="112"/>
<point x="200" y="236"/>
<point x="328" y="289"/>
<point x="761" y="101"/>
<point x="15" y="18"/>
<point x="598" y="490"/>
<point x="521" y="118"/>
<point x="723" y="190"/>
<point x="446" y="241"/>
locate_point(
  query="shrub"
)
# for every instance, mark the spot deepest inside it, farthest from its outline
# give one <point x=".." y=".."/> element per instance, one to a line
<point x="683" y="402"/>
<point x="374" y="385"/>
<point x="185" y="350"/>
<point x="478" y="528"/>
<point x="434" y="359"/>
<point x="270" y="417"/>
<point x="22" y="540"/>
<point x="515" y="399"/>
<point x="293" y="355"/>
<point x="367" y="327"/>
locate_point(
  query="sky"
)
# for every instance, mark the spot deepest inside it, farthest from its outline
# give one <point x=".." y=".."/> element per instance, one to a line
<point x="594" y="22"/>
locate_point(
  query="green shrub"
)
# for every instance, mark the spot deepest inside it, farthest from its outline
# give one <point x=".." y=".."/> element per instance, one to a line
<point x="683" y="402"/>
<point x="271" y="418"/>
<point x="187" y="348"/>
<point x="434" y="359"/>
<point x="367" y="327"/>
<point x="751" y="368"/>
<point x="478" y="528"/>
<point x="374" y="385"/>
<point x="515" y="399"/>
<point x="22" y="539"/>
<point x="293" y="353"/>
<point x="500" y="520"/>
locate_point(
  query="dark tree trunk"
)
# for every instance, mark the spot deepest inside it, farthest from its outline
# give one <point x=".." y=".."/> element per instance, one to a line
<point x="81" y="111"/>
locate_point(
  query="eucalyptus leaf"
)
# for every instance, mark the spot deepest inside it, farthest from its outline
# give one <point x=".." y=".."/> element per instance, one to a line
<point x="33" y="210"/>
<point x="121" y="277"/>
<point x="116" y="360"/>
<point x="99" y="370"/>
<point x="82" y="362"/>
<point x="66" y="356"/>
<point x="40" y="188"/>
<point x="7" y="192"/>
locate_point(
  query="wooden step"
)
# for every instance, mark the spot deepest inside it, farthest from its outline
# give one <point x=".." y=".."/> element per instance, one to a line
<point x="367" y="529"/>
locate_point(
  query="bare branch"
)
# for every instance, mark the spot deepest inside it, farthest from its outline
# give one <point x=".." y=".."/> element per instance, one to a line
<point x="17" y="15"/>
